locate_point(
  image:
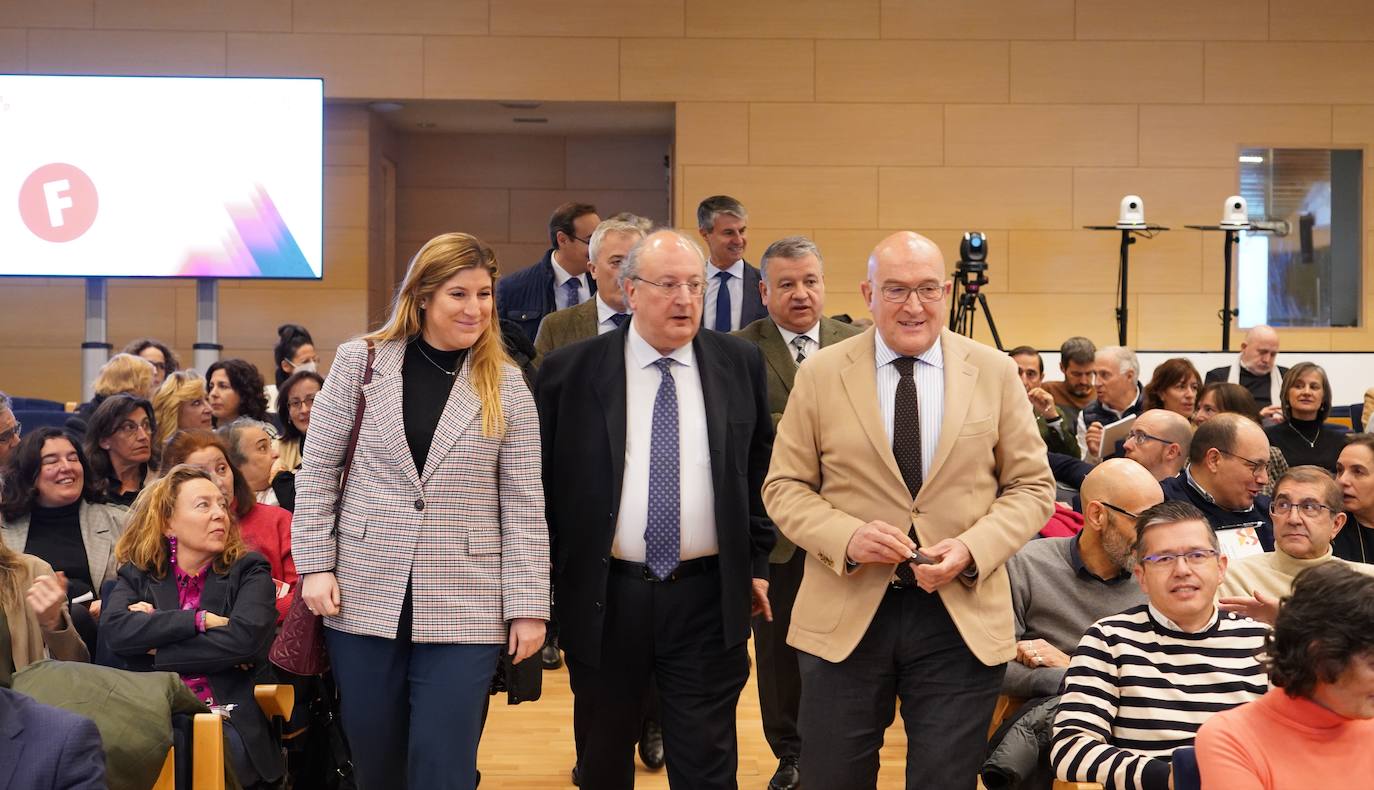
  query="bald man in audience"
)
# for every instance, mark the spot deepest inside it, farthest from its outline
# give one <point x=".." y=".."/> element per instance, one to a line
<point x="1307" y="513"/>
<point x="1060" y="586"/>
<point x="1159" y="441"/>
<point x="1256" y="368"/>
<point x="1228" y="466"/>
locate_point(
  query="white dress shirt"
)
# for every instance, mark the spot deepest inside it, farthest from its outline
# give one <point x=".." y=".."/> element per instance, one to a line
<point x="810" y="344"/>
<point x="736" y="286"/>
<point x="604" y="314"/>
<point x="697" y="494"/>
<point x="560" y="276"/>
<point x="929" y="373"/>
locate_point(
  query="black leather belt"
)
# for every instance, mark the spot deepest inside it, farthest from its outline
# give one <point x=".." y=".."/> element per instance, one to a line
<point x="685" y="569"/>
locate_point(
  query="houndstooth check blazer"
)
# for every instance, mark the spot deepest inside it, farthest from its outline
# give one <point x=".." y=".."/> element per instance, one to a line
<point x="467" y="531"/>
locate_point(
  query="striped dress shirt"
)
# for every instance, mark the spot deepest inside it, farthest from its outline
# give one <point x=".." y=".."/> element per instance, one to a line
<point x="1138" y="687"/>
<point x="929" y="373"/>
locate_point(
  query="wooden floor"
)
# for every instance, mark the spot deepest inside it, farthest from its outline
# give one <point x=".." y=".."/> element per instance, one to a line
<point x="530" y="746"/>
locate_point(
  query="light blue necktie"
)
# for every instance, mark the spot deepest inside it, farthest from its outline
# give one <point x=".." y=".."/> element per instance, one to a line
<point x="662" y="531"/>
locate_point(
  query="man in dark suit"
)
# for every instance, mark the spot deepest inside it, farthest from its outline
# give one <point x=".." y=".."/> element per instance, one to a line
<point x="660" y="541"/>
<point x="722" y="222"/>
<point x="559" y="280"/>
<point x="794" y="292"/>
<point x="47" y="748"/>
<point x="1255" y="369"/>
<point x="606" y="311"/>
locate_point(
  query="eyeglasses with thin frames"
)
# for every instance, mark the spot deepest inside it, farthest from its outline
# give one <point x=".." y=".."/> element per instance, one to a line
<point x="12" y="434"/>
<point x="694" y="287"/>
<point x="1140" y="437"/>
<point x="1123" y="511"/>
<point x="1256" y="467"/>
<point x="1306" y="507"/>
<point x="1195" y="557"/>
<point x="899" y="294"/>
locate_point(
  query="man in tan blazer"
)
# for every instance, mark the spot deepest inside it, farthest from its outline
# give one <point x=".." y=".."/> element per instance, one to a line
<point x="905" y="436"/>
<point x="610" y="244"/>
<point x="793" y="290"/>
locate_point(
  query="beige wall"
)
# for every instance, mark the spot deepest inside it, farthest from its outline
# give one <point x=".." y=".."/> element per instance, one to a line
<point x="840" y="118"/>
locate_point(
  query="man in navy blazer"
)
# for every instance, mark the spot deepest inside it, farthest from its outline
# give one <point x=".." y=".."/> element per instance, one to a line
<point x="656" y="440"/>
<point x="723" y="224"/>
<point x="559" y="280"/>
<point x="47" y="748"/>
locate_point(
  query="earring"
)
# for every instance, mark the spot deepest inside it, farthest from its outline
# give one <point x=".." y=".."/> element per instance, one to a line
<point x="172" y="548"/>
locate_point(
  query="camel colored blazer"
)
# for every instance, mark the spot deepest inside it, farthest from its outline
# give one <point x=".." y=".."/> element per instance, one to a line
<point x="833" y="471"/>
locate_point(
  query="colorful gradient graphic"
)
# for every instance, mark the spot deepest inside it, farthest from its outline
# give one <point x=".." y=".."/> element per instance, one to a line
<point x="262" y="245"/>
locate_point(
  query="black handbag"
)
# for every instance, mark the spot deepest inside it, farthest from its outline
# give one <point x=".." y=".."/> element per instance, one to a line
<point x="523" y="682"/>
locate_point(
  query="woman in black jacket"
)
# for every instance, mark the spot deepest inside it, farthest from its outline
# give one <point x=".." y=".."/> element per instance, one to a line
<point x="192" y="599"/>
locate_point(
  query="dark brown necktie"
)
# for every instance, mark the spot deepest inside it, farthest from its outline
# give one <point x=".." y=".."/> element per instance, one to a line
<point x="906" y="443"/>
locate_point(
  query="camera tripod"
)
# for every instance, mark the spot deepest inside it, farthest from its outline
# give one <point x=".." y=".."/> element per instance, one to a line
<point x="969" y="279"/>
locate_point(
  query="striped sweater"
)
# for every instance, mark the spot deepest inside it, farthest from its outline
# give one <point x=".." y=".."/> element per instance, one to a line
<point x="1138" y="688"/>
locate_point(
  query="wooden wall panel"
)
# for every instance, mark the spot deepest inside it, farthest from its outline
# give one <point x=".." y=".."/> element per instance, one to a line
<point x="782" y="19"/>
<point x="1354" y="125"/>
<point x="227" y="15"/>
<point x="1107" y="72"/>
<point x="430" y="17"/>
<point x="493" y="161"/>
<point x="975" y="198"/>
<point x="662" y="69"/>
<point x="1197" y="135"/>
<point x="1173" y="20"/>
<point x="425" y="212"/>
<point x="842" y="197"/>
<point x="530" y="208"/>
<point x="618" y="162"/>
<point x="14" y="51"/>
<point x="978" y="19"/>
<point x="1017" y="135"/>
<point x="629" y="18"/>
<point x="125" y="52"/>
<point x="911" y="71"/>
<point x="845" y="134"/>
<point x="712" y="133"/>
<point x="1172" y="196"/>
<point x="47" y="13"/>
<point x="466" y="67"/>
<point x="382" y="66"/>
<point x="846" y="254"/>
<point x="1290" y="73"/>
<point x="1320" y="20"/>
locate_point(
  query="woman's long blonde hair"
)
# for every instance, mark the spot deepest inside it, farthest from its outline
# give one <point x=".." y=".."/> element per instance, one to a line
<point x="143" y="543"/>
<point x="180" y="387"/>
<point x="438" y="260"/>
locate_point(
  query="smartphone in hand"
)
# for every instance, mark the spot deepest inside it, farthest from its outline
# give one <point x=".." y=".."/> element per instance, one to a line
<point x="921" y="558"/>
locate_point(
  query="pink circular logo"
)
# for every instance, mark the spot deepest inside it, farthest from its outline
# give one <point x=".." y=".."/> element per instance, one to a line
<point x="58" y="202"/>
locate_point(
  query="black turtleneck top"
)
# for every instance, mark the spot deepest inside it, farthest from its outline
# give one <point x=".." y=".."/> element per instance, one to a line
<point x="425" y="388"/>
<point x="1307" y="442"/>
<point x="55" y="536"/>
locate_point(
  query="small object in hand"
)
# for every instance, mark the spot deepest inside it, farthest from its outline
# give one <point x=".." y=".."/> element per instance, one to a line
<point x="921" y="558"/>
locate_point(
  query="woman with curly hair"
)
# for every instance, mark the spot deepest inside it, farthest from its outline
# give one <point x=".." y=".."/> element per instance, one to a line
<point x="236" y="390"/>
<point x="1314" y="727"/>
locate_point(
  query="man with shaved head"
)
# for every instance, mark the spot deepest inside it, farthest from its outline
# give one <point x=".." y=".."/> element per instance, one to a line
<point x="1159" y="441"/>
<point x="909" y="469"/>
<point x="1256" y="368"/>
<point x="1060" y="586"/>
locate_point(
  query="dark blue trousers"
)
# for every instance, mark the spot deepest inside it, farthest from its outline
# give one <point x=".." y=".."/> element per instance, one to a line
<point x="412" y="711"/>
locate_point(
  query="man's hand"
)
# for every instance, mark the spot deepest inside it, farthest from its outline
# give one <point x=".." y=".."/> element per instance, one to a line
<point x="1093" y="438"/>
<point x="760" y="604"/>
<point x="879" y="541"/>
<point x="47" y="597"/>
<point x="951" y="556"/>
<point x="142" y="606"/>
<point x="1261" y="608"/>
<point x="1037" y="653"/>
<point x="1043" y="403"/>
<point x="526" y="637"/>
<point x="94" y="608"/>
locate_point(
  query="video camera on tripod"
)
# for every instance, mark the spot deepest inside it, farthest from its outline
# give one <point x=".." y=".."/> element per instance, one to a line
<point x="970" y="275"/>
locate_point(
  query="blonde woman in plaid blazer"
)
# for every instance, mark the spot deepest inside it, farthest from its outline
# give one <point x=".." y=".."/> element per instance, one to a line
<point x="441" y="553"/>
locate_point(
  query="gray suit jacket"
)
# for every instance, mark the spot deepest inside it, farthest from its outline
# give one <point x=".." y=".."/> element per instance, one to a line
<point x="101" y="526"/>
<point x="782" y="371"/>
<point x="565" y="327"/>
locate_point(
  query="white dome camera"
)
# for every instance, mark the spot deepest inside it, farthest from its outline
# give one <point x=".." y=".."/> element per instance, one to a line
<point x="1132" y="212"/>
<point x="1235" y="213"/>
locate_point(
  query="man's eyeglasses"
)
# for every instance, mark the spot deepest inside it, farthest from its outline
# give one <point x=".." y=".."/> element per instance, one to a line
<point x="1306" y="507"/>
<point x="1256" y="467"/>
<point x="296" y="404"/>
<point x="12" y="435"/>
<point x="1123" y="511"/>
<point x="694" y="287"/>
<point x="901" y="293"/>
<point x="1140" y="437"/>
<point x="1194" y="557"/>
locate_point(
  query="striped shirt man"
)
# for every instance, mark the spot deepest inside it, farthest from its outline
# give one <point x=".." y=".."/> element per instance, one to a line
<point x="1139" y="687"/>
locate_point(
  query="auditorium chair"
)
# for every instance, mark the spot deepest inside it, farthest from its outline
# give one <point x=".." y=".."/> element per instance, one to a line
<point x="206" y="757"/>
<point x="1005" y="709"/>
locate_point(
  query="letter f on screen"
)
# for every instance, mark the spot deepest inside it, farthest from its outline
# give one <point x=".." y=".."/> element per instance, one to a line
<point x="55" y="193"/>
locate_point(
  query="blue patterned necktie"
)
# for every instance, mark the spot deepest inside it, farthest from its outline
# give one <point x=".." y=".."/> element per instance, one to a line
<point x="662" y="531"/>
<point x="723" y="303"/>
<point x="574" y="289"/>
<point x="620" y="319"/>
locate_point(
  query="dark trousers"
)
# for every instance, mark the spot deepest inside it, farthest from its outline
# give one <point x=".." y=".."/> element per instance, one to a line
<point x="911" y="652"/>
<point x="412" y="711"/>
<point x="668" y="634"/>
<point x="779" y="676"/>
